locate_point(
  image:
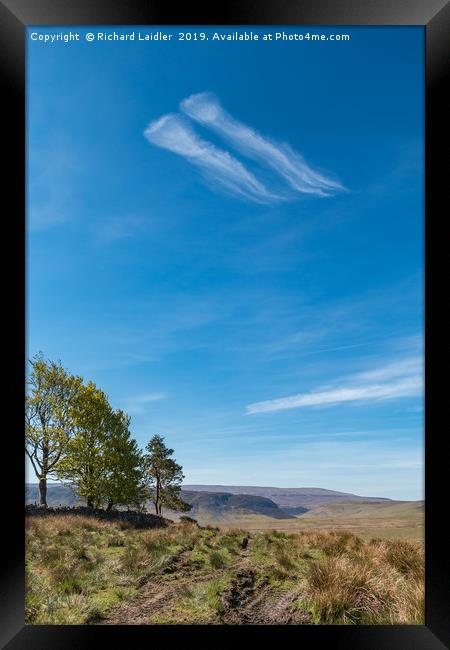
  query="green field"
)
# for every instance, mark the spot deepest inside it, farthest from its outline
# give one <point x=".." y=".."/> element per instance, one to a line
<point x="81" y="570"/>
<point x="404" y="520"/>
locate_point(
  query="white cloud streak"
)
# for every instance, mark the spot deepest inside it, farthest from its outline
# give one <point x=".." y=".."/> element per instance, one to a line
<point x="411" y="366"/>
<point x="206" y="109"/>
<point x="172" y="132"/>
<point x="393" y="381"/>
<point x="137" y="404"/>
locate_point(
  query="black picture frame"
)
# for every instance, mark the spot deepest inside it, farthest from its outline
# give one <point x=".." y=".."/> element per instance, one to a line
<point x="15" y="16"/>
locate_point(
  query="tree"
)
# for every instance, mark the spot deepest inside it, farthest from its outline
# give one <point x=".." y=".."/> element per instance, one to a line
<point x="50" y="393"/>
<point x="102" y="462"/>
<point x="163" y="477"/>
<point x="123" y="474"/>
<point x="82" y="464"/>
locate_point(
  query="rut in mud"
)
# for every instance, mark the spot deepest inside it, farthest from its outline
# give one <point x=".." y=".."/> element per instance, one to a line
<point x="156" y="595"/>
<point x="248" y="599"/>
<point x="87" y="571"/>
<point x="251" y="601"/>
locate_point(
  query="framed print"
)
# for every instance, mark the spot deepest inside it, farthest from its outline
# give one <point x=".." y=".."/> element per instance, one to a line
<point x="223" y="224"/>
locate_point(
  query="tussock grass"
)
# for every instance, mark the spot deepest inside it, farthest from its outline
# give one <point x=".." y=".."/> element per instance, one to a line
<point x="79" y="567"/>
<point x="380" y="582"/>
<point x="406" y="557"/>
<point x="217" y="559"/>
<point x="283" y="557"/>
<point x="197" y="604"/>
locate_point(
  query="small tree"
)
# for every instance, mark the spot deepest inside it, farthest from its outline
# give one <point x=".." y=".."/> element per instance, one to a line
<point x="163" y="477"/>
<point x="50" y="394"/>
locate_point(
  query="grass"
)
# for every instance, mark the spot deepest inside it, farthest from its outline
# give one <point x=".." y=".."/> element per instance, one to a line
<point x="376" y="583"/>
<point x="198" y="604"/>
<point x="367" y="520"/>
<point x="80" y="568"/>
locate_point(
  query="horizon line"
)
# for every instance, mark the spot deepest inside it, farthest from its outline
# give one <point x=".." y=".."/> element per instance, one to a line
<point x="268" y="487"/>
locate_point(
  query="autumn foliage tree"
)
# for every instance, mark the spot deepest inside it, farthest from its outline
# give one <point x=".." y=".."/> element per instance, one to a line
<point x="163" y="477"/>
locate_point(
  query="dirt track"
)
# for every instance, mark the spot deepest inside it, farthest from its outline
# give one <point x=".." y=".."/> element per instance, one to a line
<point x="250" y="603"/>
<point x="248" y="600"/>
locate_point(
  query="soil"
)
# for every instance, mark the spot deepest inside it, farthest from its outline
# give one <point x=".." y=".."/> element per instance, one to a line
<point x="248" y="600"/>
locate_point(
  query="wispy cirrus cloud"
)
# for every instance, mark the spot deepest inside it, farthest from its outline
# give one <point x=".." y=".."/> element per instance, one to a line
<point x="399" y="379"/>
<point x="206" y="109"/>
<point x="137" y="404"/>
<point x="172" y="132"/>
<point x="408" y="367"/>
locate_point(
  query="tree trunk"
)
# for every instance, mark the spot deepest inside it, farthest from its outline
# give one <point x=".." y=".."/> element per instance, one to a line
<point x="157" y="499"/>
<point x="43" y="477"/>
<point x="90" y="502"/>
<point x="43" y="492"/>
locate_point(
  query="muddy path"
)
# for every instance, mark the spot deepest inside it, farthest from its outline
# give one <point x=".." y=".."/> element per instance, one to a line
<point x="156" y="595"/>
<point x="252" y="601"/>
<point x="249" y="599"/>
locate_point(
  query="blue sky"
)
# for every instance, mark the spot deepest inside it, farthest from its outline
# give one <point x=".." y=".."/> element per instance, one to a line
<point x="228" y="239"/>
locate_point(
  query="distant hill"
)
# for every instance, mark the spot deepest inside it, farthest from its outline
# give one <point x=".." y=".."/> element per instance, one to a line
<point x="374" y="510"/>
<point x="214" y="504"/>
<point x="57" y="495"/>
<point x="281" y="496"/>
<point x="291" y="500"/>
<point x="225" y="503"/>
<point x="287" y="509"/>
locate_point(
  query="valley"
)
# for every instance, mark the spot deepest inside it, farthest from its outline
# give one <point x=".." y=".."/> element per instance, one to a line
<point x="290" y="510"/>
